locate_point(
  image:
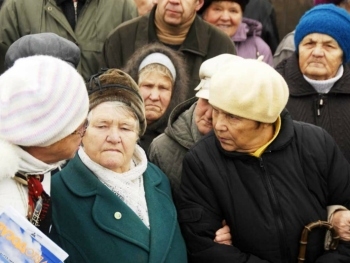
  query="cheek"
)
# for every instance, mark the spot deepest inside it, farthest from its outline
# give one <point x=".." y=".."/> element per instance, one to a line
<point x="144" y="92"/>
<point x="236" y="19"/>
<point x="338" y="59"/>
<point x="211" y="16"/>
<point x="92" y="143"/>
<point x="165" y="97"/>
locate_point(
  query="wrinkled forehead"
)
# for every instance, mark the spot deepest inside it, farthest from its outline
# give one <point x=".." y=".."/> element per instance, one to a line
<point x="319" y="38"/>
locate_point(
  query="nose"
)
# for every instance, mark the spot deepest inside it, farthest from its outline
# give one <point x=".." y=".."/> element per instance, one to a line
<point x="318" y="51"/>
<point x="154" y="94"/>
<point x="174" y="2"/>
<point x="113" y="135"/>
<point x="220" y="124"/>
<point x="209" y="113"/>
<point x="225" y="15"/>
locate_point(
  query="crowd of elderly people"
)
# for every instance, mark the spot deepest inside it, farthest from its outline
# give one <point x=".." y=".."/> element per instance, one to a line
<point x="128" y="167"/>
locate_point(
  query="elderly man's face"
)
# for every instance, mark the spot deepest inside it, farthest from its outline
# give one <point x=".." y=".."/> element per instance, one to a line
<point x="203" y="116"/>
<point x="177" y="12"/>
<point x="239" y="134"/>
<point x="156" y="90"/>
<point x="111" y="137"/>
<point x="320" y="56"/>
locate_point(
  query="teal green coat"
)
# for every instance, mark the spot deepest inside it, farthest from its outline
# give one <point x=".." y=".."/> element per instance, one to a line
<point x="93" y="225"/>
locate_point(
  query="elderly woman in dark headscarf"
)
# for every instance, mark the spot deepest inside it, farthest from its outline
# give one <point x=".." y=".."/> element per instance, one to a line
<point x="161" y="75"/>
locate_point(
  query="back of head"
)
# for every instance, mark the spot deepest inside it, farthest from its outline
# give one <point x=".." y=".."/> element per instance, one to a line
<point x="250" y="89"/>
<point x="326" y="19"/>
<point x="43" y="44"/>
<point x="116" y="85"/>
<point x="42" y="100"/>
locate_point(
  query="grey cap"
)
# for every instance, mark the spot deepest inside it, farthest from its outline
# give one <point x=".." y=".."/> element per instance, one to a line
<point x="43" y="44"/>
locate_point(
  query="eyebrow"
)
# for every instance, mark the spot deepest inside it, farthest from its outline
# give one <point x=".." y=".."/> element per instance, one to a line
<point x="325" y="42"/>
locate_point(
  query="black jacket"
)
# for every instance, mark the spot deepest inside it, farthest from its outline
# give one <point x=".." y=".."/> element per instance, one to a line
<point x="329" y="111"/>
<point x="265" y="201"/>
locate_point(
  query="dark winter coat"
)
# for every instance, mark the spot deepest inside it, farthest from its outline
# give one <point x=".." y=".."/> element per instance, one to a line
<point x="265" y="201"/>
<point x="168" y="149"/>
<point x="264" y="12"/>
<point x="203" y="41"/>
<point x="329" y="111"/>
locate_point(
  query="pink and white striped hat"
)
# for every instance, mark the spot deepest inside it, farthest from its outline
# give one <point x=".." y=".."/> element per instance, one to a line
<point x="42" y="100"/>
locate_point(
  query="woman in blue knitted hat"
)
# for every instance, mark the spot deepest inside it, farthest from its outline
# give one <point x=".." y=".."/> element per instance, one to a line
<point x="286" y="47"/>
<point x="318" y="77"/>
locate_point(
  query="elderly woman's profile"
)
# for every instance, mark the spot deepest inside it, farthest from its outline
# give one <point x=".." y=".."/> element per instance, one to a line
<point x="111" y="204"/>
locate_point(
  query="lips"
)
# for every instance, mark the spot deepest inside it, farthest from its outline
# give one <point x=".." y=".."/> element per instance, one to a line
<point x="111" y="150"/>
<point x="151" y="107"/>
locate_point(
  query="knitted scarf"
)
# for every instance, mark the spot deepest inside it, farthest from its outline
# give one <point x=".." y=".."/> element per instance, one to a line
<point x="128" y="186"/>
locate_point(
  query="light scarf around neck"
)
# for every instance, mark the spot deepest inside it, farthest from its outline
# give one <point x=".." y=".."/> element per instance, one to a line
<point x="172" y="35"/>
<point x="324" y="86"/>
<point x="128" y="186"/>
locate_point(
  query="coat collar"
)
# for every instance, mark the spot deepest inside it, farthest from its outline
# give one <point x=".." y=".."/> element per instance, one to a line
<point x="162" y="214"/>
<point x="284" y="138"/>
<point x="298" y="86"/>
<point x="197" y="39"/>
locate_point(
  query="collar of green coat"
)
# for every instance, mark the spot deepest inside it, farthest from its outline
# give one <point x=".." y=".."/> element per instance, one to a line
<point x="87" y="185"/>
<point x="162" y="213"/>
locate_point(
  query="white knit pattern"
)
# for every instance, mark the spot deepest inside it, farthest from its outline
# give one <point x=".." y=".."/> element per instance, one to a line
<point x="42" y="100"/>
<point x="127" y="186"/>
<point x="324" y="86"/>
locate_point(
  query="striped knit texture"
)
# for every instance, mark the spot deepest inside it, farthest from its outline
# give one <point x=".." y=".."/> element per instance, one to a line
<point x="42" y="100"/>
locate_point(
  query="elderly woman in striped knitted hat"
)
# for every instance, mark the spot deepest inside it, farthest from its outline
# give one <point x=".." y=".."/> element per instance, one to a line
<point x="43" y="112"/>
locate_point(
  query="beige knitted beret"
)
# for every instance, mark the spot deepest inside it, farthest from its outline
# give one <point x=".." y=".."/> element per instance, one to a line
<point x="207" y="70"/>
<point x="250" y="89"/>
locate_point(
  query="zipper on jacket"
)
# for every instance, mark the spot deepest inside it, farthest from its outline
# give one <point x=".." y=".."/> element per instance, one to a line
<point x="277" y="213"/>
<point x="75" y="4"/>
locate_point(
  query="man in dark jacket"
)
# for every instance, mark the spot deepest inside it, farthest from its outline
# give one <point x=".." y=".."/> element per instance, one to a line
<point x="175" y="24"/>
<point x="266" y="174"/>
<point x="264" y="12"/>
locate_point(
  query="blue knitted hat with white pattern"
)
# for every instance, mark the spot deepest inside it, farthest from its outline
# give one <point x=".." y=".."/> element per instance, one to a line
<point x="326" y="19"/>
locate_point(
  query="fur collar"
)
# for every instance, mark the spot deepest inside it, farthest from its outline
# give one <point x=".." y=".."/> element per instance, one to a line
<point x="9" y="159"/>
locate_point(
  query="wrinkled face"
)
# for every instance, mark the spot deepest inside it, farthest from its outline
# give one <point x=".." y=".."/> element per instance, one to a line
<point x="177" y="12"/>
<point x="320" y="56"/>
<point x="203" y="116"/>
<point x="111" y="137"/>
<point x="225" y="15"/>
<point x="156" y="90"/>
<point x="239" y="134"/>
<point x="67" y="147"/>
